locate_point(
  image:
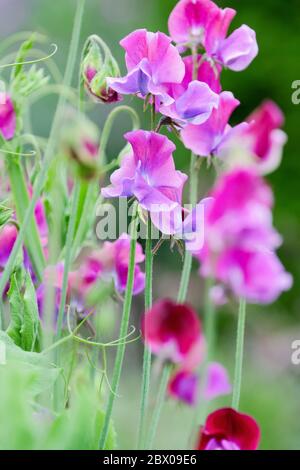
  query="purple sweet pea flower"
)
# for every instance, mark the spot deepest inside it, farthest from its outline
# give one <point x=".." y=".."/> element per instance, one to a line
<point x="152" y="62"/>
<point x="194" y="100"/>
<point x="185" y="385"/>
<point x="149" y="174"/>
<point x="236" y="51"/>
<point x="7" y="117"/>
<point x="210" y="137"/>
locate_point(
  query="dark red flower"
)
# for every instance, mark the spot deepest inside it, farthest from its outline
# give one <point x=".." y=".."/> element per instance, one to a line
<point x="173" y="331"/>
<point x="227" y="429"/>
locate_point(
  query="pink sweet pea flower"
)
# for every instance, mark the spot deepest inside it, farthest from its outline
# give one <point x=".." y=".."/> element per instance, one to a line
<point x="201" y="22"/>
<point x="194" y="100"/>
<point x="189" y="20"/>
<point x="266" y="139"/>
<point x="152" y="62"/>
<point x="149" y="174"/>
<point x="111" y="263"/>
<point x="185" y="385"/>
<point x="7" y="117"/>
<point x="236" y="51"/>
<point x="210" y="137"/>
<point x="227" y="429"/>
<point x="240" y="239"/>
<point x="173" y="332"/>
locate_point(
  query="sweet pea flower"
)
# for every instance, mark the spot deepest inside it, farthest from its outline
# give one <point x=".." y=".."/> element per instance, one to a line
<point x="189" y="21"/>
<point x="7" y="117"/>
<point x="152" y="62"/>
<point x="240" y="241"/>
<point x="235" y="52"/>
<point x="227" y="429"/>
<point x="148" y="173"/>
<point x="202" y="23"/>
<point x="194" y="100"/>
<point x="210" y="137"/>
<point x="266" y="139"/>
<point x="111" y="263"/>
<point x="185" y="385"/>
<point x="173" y="331"/>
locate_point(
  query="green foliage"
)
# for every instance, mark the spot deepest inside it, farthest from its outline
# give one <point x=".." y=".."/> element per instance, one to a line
<point x="24" y="327"/>
<point x="5" y="214"/>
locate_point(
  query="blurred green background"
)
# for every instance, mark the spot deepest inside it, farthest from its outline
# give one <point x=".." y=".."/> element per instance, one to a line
<point x="271" y="386"/>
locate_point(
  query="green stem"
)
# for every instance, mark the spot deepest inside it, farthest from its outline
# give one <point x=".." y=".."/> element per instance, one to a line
<point x="50" y="150"/>
<point x="22" y="201"/>
<point x="166" y="372"/>
<point x="123" y="331"/>
<point x="147" y="352"/>
<point x="237" y="383"/>
<point x="67" y="263"/>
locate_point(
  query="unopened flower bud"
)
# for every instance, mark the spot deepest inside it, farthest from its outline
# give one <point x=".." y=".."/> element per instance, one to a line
<point x="80" y="143"/>
<point x="96" y="69"/>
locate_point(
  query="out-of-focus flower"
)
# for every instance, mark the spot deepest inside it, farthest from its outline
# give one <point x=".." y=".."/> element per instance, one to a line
<point x="8" y="236"/>
<point x="7" y="117"/>
<point x="152" y="62"/>
<point x="266" y="139"/>
<point x="209" y="138"/>
<point x="194" y="100"/>
<point x="96" y="69"/>
<point x="80" y="143"/>
<point x="149" y="174"/>
<point x="173" y="332"/>
<point x="53" y="277"/>
<point x="240" y="239"/>
<point x="110" y="263"/>
<point x="202" y="23"/>
<point x="185" y="384"/>
<point x="227" y="429"/>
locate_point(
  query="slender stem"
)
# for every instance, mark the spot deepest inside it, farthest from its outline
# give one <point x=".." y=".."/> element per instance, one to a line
<point x="67" y="263"/>
<point x="147" y="352"/>
<point x="123" y="331"/>
<point x="22" y="200"/>
<point x="166" y="372"/>
<point x="50" y="150"/>
<point x="237" y="383"/>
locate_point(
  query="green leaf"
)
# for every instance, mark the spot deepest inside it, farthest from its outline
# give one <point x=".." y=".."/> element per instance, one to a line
<point x="43" y="374"/>
<point x="24" y="327"/>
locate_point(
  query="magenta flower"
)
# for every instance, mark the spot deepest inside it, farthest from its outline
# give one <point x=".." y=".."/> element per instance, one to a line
<point x="194" y="100"/>
<point x="152" y="62"/>
<point x="189" y="21"/>
<point x="7" y="117"/>
<point x="240" y="239"/>
<point x="149" y="174"/>
<point x="201" y="22"/>
<point x="8" y="236"/>
<point x="173" y="332"/>
<point x="111" y="263"/>
<point x="210" y="137"/>
<point x="227" y="429"/>
<point x="266" y="139"/>
<point x="185" y="384"/>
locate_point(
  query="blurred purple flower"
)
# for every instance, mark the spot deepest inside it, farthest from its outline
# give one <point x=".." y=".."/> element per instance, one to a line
<point x="7" y="117"/>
